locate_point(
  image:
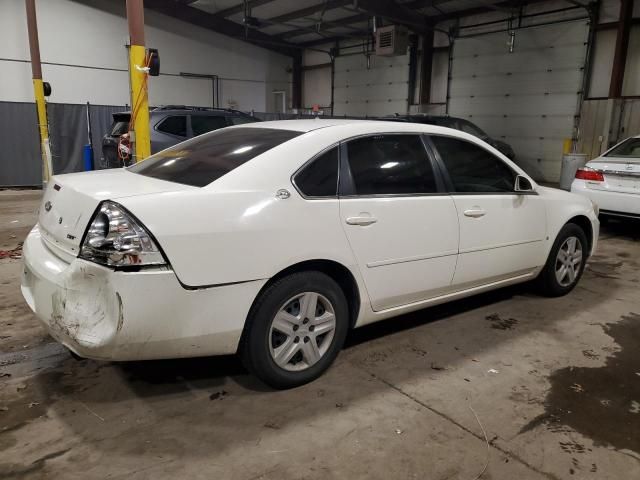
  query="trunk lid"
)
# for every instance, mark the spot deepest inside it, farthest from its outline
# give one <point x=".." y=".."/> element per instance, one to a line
<point x="620" y="174"/>
<point x="69" y="202"/>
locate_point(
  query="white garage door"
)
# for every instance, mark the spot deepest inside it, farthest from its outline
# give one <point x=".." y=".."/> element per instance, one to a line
<point x="527" y="98"/>
<point x="316" y="87"/>
<point x="381" y="89"/>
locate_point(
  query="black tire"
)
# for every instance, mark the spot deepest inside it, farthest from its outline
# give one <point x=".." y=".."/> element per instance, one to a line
<point x="256" y="340"/>
<point x="547" y="281"/>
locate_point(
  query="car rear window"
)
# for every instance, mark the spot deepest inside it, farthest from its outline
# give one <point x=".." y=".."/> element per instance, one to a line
<point x="204" y="159"/>
<point x="628" y="148"/>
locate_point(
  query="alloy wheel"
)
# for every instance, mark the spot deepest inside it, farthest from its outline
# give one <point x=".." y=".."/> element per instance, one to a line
<point x="301" y="331"/>
<point x="569" y="261"/>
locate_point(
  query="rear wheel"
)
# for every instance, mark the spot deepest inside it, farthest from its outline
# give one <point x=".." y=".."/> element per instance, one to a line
<point x="566" y="262"/>
<point x="295" y="329"/>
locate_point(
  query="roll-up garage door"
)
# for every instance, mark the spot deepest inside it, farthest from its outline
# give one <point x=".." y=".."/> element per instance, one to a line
<point x="316" y="87"/>
<point x="527" y="98"/>
<point x="381" y="89"/>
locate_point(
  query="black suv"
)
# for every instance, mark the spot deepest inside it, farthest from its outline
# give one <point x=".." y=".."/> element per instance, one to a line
<point x="170" y="124"/>
<point x="457" y="123"/>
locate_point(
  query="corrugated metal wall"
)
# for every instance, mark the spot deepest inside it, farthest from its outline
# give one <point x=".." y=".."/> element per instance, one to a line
<point x="625" y="122"/>
<point x="527" y="98"/>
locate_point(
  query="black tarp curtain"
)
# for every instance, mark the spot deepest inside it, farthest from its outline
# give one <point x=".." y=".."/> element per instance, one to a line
<point x="20" y="160"/>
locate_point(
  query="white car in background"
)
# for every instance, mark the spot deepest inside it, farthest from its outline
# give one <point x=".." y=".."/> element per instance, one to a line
<point x="274" y="239"/>
<point x="612" y="181"/>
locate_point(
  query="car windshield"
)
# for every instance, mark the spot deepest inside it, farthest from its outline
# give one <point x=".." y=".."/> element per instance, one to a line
<point x="204" y="159"/>
<point x="629" y="148"/>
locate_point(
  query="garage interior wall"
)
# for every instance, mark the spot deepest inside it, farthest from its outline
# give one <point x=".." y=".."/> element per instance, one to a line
<point x="528" y="98"/>
<point x="559" y="54"/>
<point x="606" y="121"/>
<point x="85" y="59"/>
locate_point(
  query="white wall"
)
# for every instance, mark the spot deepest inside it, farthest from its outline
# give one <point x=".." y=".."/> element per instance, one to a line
<point x="89" y="38"/>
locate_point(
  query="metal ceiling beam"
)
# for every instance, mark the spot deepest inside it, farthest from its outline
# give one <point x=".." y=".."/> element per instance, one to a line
<point x="221" y="25"/>
<point x="508" y="4"/>
<point x="332" y="4"/>
<point x="305" y="12"/>
<point x="394" y="16"/>
<point x="395" y="13"/>
<point x="341" y="22"/>
<point x="322" y="41"/>
<point x="227" y="12"/>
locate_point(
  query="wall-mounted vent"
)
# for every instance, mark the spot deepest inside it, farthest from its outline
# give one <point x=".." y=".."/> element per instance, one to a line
<point x="391" y="41"/>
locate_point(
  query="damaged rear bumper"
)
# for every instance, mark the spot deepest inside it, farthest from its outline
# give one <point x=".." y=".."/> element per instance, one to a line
<point x="104" y="314"/>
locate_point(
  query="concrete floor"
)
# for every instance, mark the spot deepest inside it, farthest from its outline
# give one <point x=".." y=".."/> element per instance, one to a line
<point x="555" y="383"/>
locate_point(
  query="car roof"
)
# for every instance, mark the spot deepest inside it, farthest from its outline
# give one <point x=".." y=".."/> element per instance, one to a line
<point x="307" y="125"/>
<point x="354" y="125"/>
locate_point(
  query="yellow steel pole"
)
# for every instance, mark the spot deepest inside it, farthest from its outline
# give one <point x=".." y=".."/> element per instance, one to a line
<point x="38" y="89"/>
<point x="138" y="74"/>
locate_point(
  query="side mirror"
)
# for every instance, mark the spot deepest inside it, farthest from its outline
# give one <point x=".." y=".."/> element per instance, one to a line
<point x="523" y="184"/>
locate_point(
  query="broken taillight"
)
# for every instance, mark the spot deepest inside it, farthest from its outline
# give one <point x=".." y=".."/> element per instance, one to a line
<point x="115" y="238"/>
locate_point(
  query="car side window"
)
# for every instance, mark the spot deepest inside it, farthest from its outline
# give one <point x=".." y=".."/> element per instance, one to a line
<point x="174" y="125"/>
<point x="472" y="168"/>
<point x="320" y="177"/>
<point x="390" y="164"/>
<point x="206" y="123"/>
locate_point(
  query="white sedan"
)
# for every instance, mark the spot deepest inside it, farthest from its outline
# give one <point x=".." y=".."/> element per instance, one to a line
<point x="612" y="181"/>
<point x="274" y="239"/>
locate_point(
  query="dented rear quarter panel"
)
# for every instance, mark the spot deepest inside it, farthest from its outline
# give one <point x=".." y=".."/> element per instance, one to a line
<point x="102" y="314"/>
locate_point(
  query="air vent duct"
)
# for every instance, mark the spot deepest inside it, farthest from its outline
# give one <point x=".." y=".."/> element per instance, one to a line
<point x="391" y="40"/>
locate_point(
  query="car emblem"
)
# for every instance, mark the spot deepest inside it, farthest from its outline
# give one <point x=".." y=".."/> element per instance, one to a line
<point x="283" y="194"/>
<point x="47" y="206"/>
<point x="60" y="220"/>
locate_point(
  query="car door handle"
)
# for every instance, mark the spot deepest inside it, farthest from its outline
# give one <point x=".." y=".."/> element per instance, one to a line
<point x="475" y="212"/>
<point x="362" y="220"/>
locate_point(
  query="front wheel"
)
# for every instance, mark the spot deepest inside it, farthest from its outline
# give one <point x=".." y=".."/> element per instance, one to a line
<point x="566" y="262"/>
<point x="295" y="329"/>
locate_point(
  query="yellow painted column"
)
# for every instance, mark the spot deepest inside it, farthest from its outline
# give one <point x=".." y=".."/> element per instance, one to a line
<point x="43" y="128"/>
<point x="139" y="102"/>
<point x="38" y="90"/>
<point x="138" y="74"/>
